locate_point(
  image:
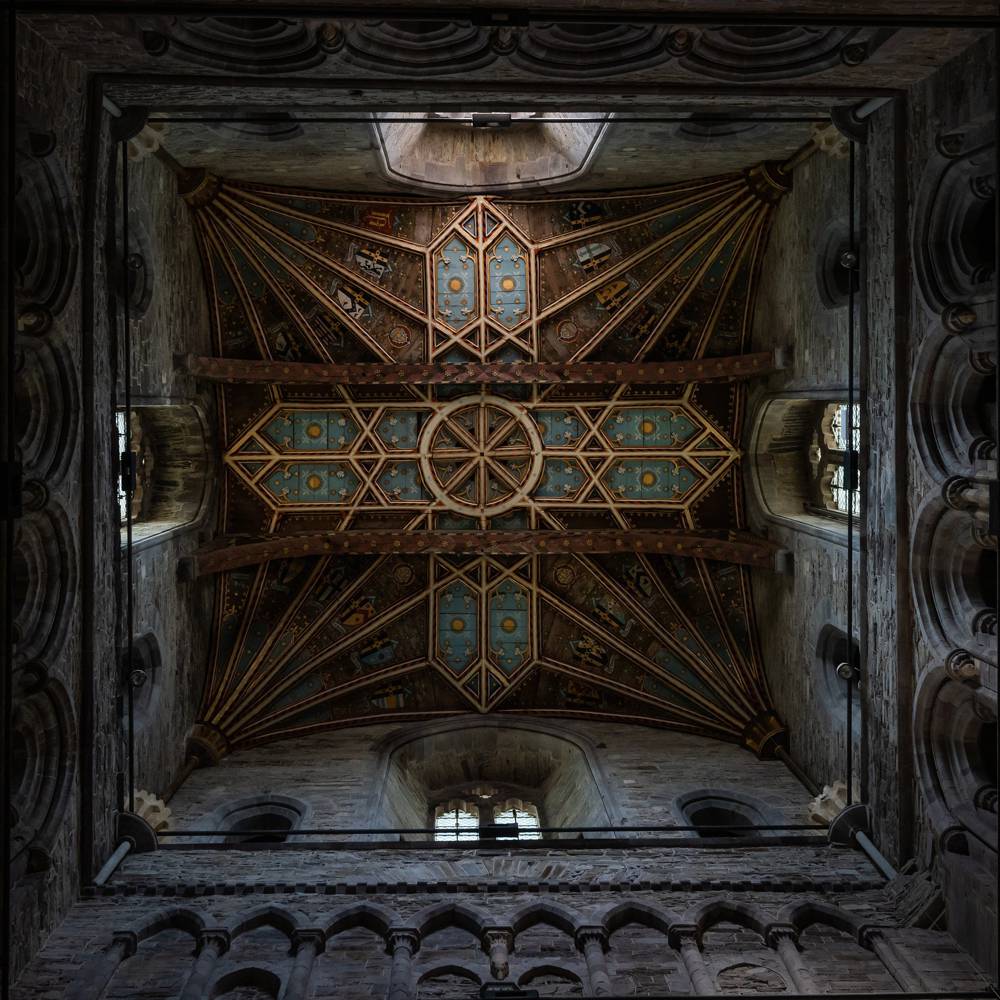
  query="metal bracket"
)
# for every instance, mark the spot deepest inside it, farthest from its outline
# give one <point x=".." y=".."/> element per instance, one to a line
<point x="135" y="829"/>
<point x="848" y="822"/>
<point x="130" y="124"/>
<point x="848" y="124"/>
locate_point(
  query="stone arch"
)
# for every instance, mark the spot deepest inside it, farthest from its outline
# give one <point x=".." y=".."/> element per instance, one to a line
<point x="779" y="53"/>
<point x="953" y="576"/>
<point x="833" y="648"/>
<point x="45" y="230"/>
<point x="279" y="127"/>
<point x="834" y="281"/>
<point x="952" y="406"/>
<point x="549" y="913"/>
<point x="782" y="435"/>
<point x="44" y="574"/>
<point x="721" y="806"/>
<point x="44" y="744"/>
<point x="46" y="409"/>
<point x="143" y="670"/>
<point x="441" y="756"/>
<point x="173" y="489"/>
<point x="718" y="911"/>
<point x="805" y="913"/>
<point x="140" y="266"/>
<point x="254" y="813"/>
<point x="955" y="727"/>
<point x="565" y="49"/>
<point x="954" y="219"/>
<point x="749" y="977"/>
<point x="441" y="915"/>
<point x="443" y="981"/>
<point x="710" y="125"/>
<point x="177" y="918"/>
<point x="368" y="915"/>
<point x="550" y="980"/>
<point x="248" y="983"/>
<point x="623" y="914"/>
<point x="417" y="48"/>
<point x="281" y="919"/>
<point x="257" y="45"/>
<point x="170" y="936"/>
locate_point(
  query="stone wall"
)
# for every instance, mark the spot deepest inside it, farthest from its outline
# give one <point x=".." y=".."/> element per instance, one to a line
<point x="949" y="369"/>
<point x="48" y="558"/>
<point x="793" y="607"/>
<point x="173" y="319"/>
<point x="422" y="920"/>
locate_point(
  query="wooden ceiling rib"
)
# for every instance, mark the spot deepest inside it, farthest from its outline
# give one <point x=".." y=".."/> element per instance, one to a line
<point x="482" y="454"/>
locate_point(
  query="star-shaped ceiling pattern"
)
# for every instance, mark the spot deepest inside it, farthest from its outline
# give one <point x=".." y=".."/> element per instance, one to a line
<point x="308" y="643"/>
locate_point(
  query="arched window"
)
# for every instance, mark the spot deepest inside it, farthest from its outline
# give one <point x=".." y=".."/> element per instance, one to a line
<point x="833" y="457"/>
<point x="714" y="810"/>
<point x="805" y="462"/>
<point x="171" y="468"/>
<point x="838" y="659"/>
<point x="486" y="814"/>
<point x="456" y="821"/>
<point x="262" y="819"/>
<point x="131" y="439"/>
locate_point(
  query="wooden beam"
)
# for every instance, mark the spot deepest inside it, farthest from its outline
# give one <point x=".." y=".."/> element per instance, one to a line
<point x="239" y="370"/>
<point x="227" y="554"/>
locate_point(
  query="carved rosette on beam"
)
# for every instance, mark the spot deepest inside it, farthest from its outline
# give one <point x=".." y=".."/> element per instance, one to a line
<point x="483" y="453"/>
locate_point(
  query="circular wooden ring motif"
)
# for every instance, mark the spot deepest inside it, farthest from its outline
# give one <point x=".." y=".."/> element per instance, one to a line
<point x="480" y="455"/>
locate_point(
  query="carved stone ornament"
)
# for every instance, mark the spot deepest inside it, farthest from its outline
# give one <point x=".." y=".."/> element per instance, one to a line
<point x="829" y="803"/>
<point x="153" y="810"/>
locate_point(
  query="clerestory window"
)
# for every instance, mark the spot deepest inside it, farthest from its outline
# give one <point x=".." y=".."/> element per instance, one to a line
<point x="486" y="817"/>
<point x="833" y="459"/>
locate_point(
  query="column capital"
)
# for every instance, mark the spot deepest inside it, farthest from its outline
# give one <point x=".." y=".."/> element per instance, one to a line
<point x="402" y="937"/>
<point x="868" y="934"/>
<point x="217" y="937"/>
<point x="492" y="936"/>
<point x="773" y="933"/>
<point x="127" y="941"/>
<point x="309" y="935"/>
<point x="679" y="934"/>
<point x="589" y="933"/>
<point x="960" y="665"/>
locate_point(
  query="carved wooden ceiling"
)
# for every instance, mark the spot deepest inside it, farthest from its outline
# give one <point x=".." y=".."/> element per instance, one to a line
<point x="473" y="298"/>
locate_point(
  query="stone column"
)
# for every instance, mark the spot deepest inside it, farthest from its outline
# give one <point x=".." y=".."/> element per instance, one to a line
<point x="212" y="944"/>
<point x="896" y="964"/>
<point x="498" y="944"/>
<point x="403" y="945"/>
<point x="593" y="942"/>
<point x="783" y="938"/>
<point x="97" y="975"/>
<point x="684" y="938"/>
<point x="308" y="943"/>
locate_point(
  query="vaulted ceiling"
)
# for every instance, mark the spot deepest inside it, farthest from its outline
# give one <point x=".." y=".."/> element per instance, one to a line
<point x="482" y="454"/>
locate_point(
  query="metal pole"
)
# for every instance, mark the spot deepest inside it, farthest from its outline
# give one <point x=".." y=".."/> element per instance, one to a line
<point x="128" y="457"/>
<point x="7" y="456"/>
<point x="876" y="857"/>
<point x="113" y="862"/>
<point x="852" y="476"/>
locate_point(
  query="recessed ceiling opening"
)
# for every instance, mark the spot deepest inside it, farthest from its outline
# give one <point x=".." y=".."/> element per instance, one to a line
<point x="452" y="151"/>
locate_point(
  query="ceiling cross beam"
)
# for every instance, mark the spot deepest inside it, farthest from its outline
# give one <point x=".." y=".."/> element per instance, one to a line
<point x="232" y="553"/>
<point x="237" y="370"/>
